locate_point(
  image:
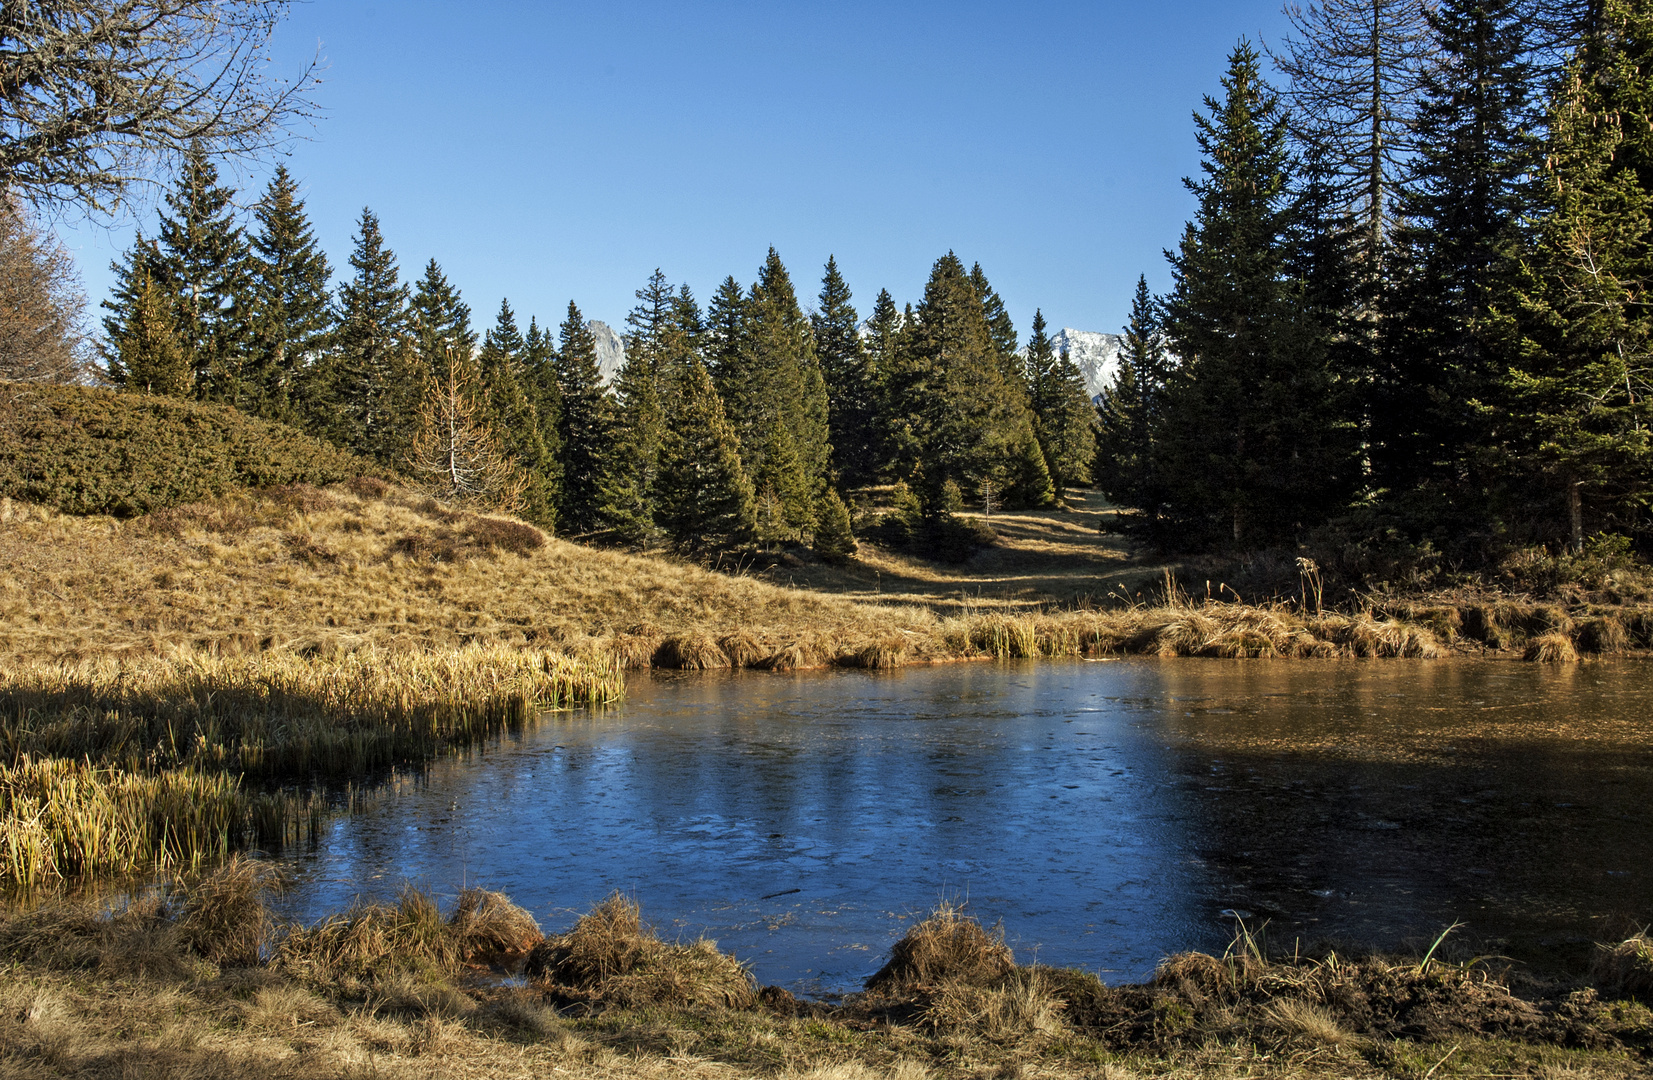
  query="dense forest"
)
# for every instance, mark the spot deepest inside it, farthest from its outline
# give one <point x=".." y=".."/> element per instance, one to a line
<point x="1409" y="320"/>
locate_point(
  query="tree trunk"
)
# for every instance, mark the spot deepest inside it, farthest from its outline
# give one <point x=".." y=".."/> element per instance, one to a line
<point x="1575" y="514"/>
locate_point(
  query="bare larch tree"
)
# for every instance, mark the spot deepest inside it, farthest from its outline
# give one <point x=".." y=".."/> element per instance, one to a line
<point x="97" y="96"/>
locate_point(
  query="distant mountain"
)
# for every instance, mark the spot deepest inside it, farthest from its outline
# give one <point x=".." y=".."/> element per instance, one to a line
<point x="611" y="351"/>
<point x="1097" y="355"/>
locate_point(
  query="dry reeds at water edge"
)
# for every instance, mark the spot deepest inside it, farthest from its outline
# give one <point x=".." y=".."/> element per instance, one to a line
<point x="117" y="767"/>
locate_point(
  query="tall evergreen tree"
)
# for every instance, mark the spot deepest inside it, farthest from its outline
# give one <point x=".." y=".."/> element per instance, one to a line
<point x="1246" y="441"/>
<point x="137" y="297"/>
<point x="851" y="381"/>
<point x="883" y="344"/>
<point x="205" y="263"/>
<point x="512" y="416"/>
<point x="1001" y="330"/>
<point x="440" y="321"/>
<point x="539" y="376"/>
<point x="725" y="339"/>
<point x="625" y="504"/>
<point x="1129" y="413"/>
<point x="370" y="386"/>
<point x="1063" y="414"/>
<point x="1464" y="208"/>
<point x="584" y="428"/>
<point x="152" y="360"/>
<point x="786" y="505"/>
<point x="1577" y="384"/>
<point x="705" y="500"/>
<point x="291" y="311"/>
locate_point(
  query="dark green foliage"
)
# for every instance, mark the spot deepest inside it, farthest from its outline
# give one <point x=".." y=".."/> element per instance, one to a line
<point x="539" y="377"/>
<point x="1126" y="419"/>
<point x="885" y="329"/>
<point x="1064" y="416"/>
<point x="1463" y="207"/>
<point x="440" y="321"/>
<point x="625" y="502"/>
<point x="704" y="500"/>
<point x="785" y="506"/>
<point x="87" y="451"/>
<point x="205" y="263"/>
<point x="511" y="414"/>
<point x="367" y="392"/>
<point x="1000" y="330"/>
<point x="834" y="540"/>
<point x="151" y="358"/>
<point x="290" y="316"/>
<point x="1577" y="381"/>
<point x="1251" y="443"/>
<point x="583" y="425"/>
<point x="851" y="381"/>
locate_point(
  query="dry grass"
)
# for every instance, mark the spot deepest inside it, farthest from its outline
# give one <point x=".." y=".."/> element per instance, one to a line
<point x="610" y="958"/>
<point x="1625" y="968"/>
<point x="1552" y="648"/>
<point x="947" y="947"/>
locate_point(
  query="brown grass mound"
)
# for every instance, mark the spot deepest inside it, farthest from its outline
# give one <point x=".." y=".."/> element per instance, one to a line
<point x="691" y="652"/>
<point x="1625" y="968"/>
<point x="488" y="924"/>
<point x="879" y="655"/>
<point x="224" y="918"/>
<point x="1603" y="634"/>
<point x="1554" y="648"/>
<point x="610" y="958"/>
<point x="372" y="941"/>
<point x="949" y="946"/>
<point x="742" y="649"/>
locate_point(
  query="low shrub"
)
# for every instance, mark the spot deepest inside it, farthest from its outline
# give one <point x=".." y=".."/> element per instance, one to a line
<point x="83" y="450"/>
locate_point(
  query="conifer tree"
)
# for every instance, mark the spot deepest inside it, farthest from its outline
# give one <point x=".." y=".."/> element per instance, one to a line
<point x="851" y="381"/>
<point x="1464" y="209"/>
<point x="291" y="311"/>
<point x="834" y="539"/>
<point x="583" y="426"/>
<point x="786" y="506"/>
<point x="1577" y="382"/>
<point x="539" y="374"/>
<point x="1246" y="444"/>
<point x="136" y="288"/>
<point x="454" y="454"/>
<point x="1001" y="330"/>
<point x="1128" y="415"/>
<point x="883" y="342"/>
<point x="204" y="261"/>
<point x="152" y="359"/>
<point x="626" y="500"/>
<point x="726" y="332"/>
<point x="1062" y="409"/>
<point x="704" y="499"/>
<point x="370" y="387"/>
<point x="440" y="320"/>
<point x="502" y="362"/>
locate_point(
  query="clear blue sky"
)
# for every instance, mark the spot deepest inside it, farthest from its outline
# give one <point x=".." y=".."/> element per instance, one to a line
<point x="549" y="151"/>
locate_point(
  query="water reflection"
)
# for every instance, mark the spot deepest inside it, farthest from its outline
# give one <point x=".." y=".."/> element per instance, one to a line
<point x="1109" y="813"/>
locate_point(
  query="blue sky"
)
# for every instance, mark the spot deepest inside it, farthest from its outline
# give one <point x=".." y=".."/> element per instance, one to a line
<point x="547" y="152"/>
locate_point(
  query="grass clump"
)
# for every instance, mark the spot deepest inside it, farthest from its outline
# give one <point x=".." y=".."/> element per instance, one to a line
<point x="610" y="959"/>
<point x="947" y="947"/>
<point x="1625" y="968"/>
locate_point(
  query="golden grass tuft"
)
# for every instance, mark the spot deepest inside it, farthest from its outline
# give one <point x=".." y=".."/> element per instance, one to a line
<point x="1554" y="648"/>
<point x="691" y="652"/>
<point x="1021" y="1006"/>
<point x="742" y="649"/>
<point x="1603" y="634"/>
<point x="224" y="918"/>
<point x="1625" y="968"/>
<point x="948" y="946"/>
<point x="610" y="957"/>
<point x="488" y="924"/>
<point x="372" y="942"/>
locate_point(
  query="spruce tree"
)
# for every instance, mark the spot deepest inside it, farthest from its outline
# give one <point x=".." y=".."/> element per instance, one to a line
<point x="205" y="263"/>
<point x="1128" y="414"/>
<point x="153" y="360"/>
<point x="584" y="427"/>
<point x="136" y="295"/>
<point x="884" y="332"/>
<point x="834" y="540"/>
<point x="539" y="376"/>
<point x="1246" y="443"/>
<point x="1577" y="389"/>
<point x="725" y="338"/>
<point x="626" y="495"/>
<point x="512" y="416"/>
<point x="369" y="389"/>
<point x="704" y="499"/>
<point x="786" y="505"/>
<point x="1062" y="410"/>
<point x="1464" y="210"/>
<point x="291" y="310"/>
<point x="440" y="321"/>
<point x="1001" y="330"/>
<point x="851" y="382"/>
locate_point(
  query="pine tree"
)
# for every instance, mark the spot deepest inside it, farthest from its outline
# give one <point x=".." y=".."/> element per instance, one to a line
<point x="136" y="290"/>
<point x="786" y="506"/>
<point x="851" y="381"/>
<point x="773" y="375"/>
<point x="205" y="263"/>
<point x="584" y="426"/>
<point x="725" y="339"/>
<point x="1246" y="443"/>
<point x="1001" y="330"/>
<point x="152" y="359"/>
<point x="883" y="343"/>
<point x="1577" y="384"/>
<point x="1128" y="415"/>
<point x="440" y="320"/>
<point x="704" y="498"/>
<point x="512" y="416"/>
<point x="291" y="311"/>
<point x="370" y="386"/>
<point x="1062" y="409"/>
<point x="626" y="499"/>
<point x="1464" y="209"/>
<point x="539" y="375"/>
<point x="834" y="539"/>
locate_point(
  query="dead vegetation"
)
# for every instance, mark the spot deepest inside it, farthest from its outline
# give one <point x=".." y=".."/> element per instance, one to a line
<point x="404" y="987"/>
